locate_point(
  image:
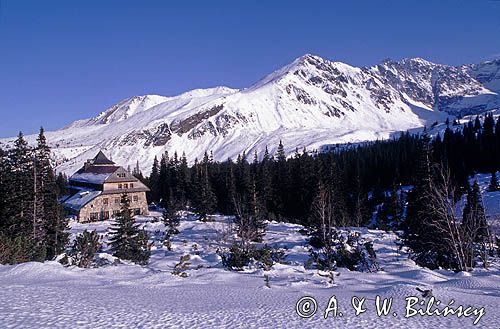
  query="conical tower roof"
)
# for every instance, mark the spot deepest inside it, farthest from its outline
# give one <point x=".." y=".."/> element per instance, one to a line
<point x="101" y="159"/>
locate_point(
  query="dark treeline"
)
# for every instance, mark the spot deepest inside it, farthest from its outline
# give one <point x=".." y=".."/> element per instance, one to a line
<point x="32" y="223"/>
<point x="284" y="188"/>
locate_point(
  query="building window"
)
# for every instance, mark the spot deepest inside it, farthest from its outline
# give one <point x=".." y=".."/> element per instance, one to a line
<point x="94" y="216"/>
<point x="122" y="175"/>
<point x="105" y="215"/>
<point x="131" y="185"/>
<point x="136" y="198"/>
<point x="119" y="185"/>
<point x="105" y="201"/>
<point x="137" y="211"/>
<point x="117" y="200"/>
<point x="116" y="213"/>
<point x="125" y="185"/>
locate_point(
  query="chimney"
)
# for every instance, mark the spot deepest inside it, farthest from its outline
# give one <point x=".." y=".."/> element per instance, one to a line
<point x="87" y="164"/>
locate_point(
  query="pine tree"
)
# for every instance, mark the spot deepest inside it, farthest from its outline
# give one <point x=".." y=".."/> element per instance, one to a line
<point x="62" y="184"/>
<point x="154" y="181"/>
<point x="21" y="224"/>
<point x="494" y="186"/>
<point x="250" y="215"/>
<point x="390" y="213"/>
<point x="183" y="187"/>
<point x="419" y="233"/>
<point x="4" y="173"/>
<point x="474" y="216"/>
<point x="163" y="179"/>
<point x="137" y="172"/>
<point x="127" y="241"/>
<point x="85" y="247"/>
<point x="206" y="200"/>
<point x="55" y="225"/>
<point x="170" y="217"/>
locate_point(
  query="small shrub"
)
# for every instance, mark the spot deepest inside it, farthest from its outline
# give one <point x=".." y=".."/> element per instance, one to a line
<point x="266" y="257"/>
<point x="238" y="257"/>
<point x="182" y="266"/>
<point x="347" y="250"/>
<point x="84" y="248"/>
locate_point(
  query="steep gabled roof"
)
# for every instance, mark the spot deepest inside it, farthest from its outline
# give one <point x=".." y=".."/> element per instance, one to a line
<point x="101" y="159"/>
<point x="93" y="174"/>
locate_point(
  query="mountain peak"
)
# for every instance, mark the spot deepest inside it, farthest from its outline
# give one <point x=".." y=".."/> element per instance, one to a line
<point x="309" y="102"/>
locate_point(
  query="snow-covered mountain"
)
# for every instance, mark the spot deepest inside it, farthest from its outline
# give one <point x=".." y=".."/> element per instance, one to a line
<point x="308" y="103"/>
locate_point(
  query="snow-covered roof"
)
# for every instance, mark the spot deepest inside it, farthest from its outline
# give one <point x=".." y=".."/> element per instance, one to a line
<point x="91" y="178"/>
<point x="80" y="199"/>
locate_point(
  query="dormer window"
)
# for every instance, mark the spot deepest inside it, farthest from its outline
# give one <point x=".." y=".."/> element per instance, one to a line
<point x="121" y="175"/>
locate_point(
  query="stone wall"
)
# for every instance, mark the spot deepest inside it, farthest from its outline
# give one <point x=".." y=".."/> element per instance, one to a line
<point x="105" y="206"/>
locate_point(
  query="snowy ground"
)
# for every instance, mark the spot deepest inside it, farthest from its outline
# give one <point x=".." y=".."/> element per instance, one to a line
<point x="48" y="295"/>
<point x="52" y="296"/>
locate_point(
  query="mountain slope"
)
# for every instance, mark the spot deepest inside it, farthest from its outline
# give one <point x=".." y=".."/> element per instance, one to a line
<point x="308" y="103"/>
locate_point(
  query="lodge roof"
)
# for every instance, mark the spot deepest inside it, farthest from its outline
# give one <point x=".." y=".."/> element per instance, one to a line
<point x="95" y="172"/>
<point x="101" y="159"/>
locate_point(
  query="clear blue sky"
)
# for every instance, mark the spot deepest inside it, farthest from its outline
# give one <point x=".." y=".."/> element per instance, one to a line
<point x="67" y="60"/>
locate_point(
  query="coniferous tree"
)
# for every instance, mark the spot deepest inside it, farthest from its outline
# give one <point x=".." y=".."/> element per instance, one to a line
<point x="475" y="227"/>
<point x="4" y="173"/>
<point x="154" y="181"/>
<point x="170" y="217"/>
<point x="206" y="200"/>
<point x="184" y="185"/>
<point x="389" y="215"/>
<point x="474" y="217"/>
<point x="494" y="186"/>
<point x="250" y="215"/>
<point x="55" y="225"/>
<point x="419" y="233"/>
<point x="85" y="247"/>
<point x="127" y="241"/>
<point x="163" y="180"/>
<point x="25" y="201"/>
<point x="62" y="184"/>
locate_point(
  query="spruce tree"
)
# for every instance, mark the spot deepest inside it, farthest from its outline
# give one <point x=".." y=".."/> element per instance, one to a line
<point x="84" y="248"/>
<point x="55" y="225"/>
<point x="474" y="217"/>
<point x="206" y="200"/>
<point x="250" y="215"/>
<point x="419" y="227"/>
<point x="170" y="217"/>
<point x="127" y="241"/>
<point x="154" y="181"/>
<point x="494" y="186"/>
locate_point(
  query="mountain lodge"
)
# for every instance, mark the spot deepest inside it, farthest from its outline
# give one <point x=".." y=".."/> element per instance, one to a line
<point x="96" y="191"/>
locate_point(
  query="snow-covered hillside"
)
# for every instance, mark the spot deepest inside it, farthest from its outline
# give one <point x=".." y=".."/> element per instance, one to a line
<point x="308" y="103"/>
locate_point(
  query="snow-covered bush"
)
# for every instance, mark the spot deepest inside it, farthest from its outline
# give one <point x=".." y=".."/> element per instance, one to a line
<point x="348" y="250"/>
<point x="179" y="268"/>
<point x="266" y="257"/>
<point x="82" y="253"/>
<point x="237" y="257"/>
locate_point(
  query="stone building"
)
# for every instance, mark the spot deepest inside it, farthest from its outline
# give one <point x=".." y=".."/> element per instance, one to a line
<point x="96" y="191"/>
